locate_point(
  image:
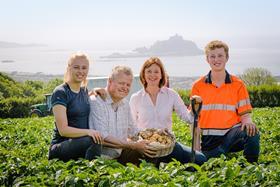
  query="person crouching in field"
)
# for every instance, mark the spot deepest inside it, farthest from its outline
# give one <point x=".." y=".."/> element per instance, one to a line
<point x="225" y="121"/>
<point x="112" y="118"/>
<point x="70" y="104"/>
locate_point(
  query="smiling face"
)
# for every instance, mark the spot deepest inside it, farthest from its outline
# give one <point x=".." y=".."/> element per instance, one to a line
<point x="78" y="70"/>
<point x="153" y="72"/>
<point x="119" y="86"/>
<point x="217" y="59"/>
<point x="152" y="75"/>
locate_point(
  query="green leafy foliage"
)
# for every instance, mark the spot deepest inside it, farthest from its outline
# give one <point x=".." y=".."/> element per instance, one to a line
<point x="16" y="98"/>
<point x="14" y="107"/>
<point x="257" y="76"/>
<point x="10" y="88"/>
<point x="185" y="95"/>
<point x="265" y="95"/>
<point x="24" y="145"/>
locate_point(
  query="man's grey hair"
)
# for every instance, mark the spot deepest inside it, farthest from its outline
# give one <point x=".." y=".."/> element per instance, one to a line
<point x="120" y="69"/>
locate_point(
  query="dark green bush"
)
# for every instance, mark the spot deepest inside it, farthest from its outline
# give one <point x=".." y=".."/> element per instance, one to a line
<point x="260" y="96"/>
<point x="17" y="97"/>
<point x="265" y="95"/>
<point x="13" y="107"/>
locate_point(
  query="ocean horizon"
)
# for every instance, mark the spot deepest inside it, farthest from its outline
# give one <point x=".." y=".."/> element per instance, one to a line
<point x="49" y="60"/>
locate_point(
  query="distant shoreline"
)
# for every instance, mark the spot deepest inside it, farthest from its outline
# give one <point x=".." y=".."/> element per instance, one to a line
<point x="39" y="76"/>
<point x="176" y="82"/>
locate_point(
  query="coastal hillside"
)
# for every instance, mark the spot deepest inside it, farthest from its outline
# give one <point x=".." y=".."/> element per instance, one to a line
<point x="4" y="44"/>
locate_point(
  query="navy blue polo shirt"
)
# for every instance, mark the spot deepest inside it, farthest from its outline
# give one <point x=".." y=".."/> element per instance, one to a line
<point x="77" y="108"/>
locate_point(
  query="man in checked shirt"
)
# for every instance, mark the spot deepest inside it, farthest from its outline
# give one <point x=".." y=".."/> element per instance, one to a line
<point x="112" y="118"/>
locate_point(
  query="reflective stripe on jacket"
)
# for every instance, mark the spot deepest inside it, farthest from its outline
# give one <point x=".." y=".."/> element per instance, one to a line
<point x="222" y="106"/>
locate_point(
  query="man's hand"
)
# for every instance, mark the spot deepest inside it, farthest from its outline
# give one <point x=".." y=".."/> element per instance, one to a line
<point x="251" y="128"/>
<point x="247" y="123"/>
<point x="144" y="148"/>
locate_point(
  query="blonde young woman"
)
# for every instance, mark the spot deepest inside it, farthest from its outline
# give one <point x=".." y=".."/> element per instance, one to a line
<point x="70" y="104"/>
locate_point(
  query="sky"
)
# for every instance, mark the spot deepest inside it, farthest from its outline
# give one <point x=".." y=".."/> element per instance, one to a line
<point x="126" y="24"/>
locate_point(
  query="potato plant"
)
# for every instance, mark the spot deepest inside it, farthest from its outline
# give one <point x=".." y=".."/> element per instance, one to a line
<point x="24" y="147"/>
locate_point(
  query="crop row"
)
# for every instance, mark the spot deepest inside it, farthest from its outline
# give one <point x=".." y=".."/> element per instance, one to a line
<point x="24" y="147"/>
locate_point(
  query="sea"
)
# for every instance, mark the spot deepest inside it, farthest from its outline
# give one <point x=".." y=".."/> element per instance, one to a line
<point x="48" y="60"/>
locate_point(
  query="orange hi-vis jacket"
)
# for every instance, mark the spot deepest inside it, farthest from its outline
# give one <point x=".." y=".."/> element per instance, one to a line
<point x="222" y="106"/>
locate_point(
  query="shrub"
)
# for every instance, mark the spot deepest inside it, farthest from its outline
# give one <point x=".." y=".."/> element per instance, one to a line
<point x="17" y="107"/>
<point x="264" y="95"/>
<point x="16" y="97"/>
<point x="257" y="76"/>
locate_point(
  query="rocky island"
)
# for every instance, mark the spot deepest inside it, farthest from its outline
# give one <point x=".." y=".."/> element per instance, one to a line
<point x="174" y="46"/>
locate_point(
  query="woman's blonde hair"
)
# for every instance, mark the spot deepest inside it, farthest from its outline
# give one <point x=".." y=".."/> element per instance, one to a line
<point x="147" y="64"/>
<point x="73" y="58"/>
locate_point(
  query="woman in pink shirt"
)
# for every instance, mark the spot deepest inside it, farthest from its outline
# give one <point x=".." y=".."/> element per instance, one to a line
<point x="152" y="107"/>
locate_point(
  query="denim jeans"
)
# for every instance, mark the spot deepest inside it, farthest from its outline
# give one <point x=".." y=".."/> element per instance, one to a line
<point x="236" y="140"/>
<point x="183" y="154"/>
<point x="75" y="148"/>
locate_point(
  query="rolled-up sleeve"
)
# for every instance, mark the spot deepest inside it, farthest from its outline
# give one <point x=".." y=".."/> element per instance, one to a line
<point x="59" y="98"/>
<point x="98" y="116"/>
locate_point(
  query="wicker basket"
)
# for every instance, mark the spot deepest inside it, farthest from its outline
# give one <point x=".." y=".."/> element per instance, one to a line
<point x="162" y="149"/>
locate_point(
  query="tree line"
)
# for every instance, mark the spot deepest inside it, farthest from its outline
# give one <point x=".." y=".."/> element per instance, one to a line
<point x="17" y="97"/>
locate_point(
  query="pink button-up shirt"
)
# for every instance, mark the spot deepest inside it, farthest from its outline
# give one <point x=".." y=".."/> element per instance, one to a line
<point x="147" y="115"/>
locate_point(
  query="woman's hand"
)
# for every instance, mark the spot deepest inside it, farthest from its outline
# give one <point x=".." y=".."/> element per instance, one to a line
<point x="96" y="136"/>
<point x="198" y="101"/>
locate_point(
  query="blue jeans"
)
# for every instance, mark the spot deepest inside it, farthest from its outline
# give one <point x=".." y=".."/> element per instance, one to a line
<point x="183" y="154"/>
<point x="236" y="140"/>
<point x="75" y="148"/>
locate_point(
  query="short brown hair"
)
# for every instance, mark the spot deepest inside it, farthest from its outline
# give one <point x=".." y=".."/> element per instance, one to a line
<point x="147" y="64"/>
<point x="216" y="44"/>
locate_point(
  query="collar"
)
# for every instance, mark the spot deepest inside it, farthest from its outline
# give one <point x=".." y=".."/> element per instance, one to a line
<point x="208" y="79"/>
<point x="161" y="90"/>
<point x="110" y="101"/>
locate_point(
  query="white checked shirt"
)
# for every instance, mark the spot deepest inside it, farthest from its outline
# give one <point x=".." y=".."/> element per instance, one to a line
<point x="147" y="115"/>
<point x="111" y="119"/>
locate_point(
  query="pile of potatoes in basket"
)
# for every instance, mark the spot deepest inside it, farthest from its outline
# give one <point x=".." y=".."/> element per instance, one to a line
<point x="156" y="135"/>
